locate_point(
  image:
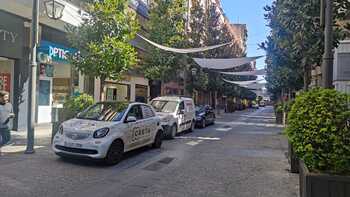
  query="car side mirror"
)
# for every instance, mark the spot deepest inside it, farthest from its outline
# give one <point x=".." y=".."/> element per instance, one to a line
<point x="131" y="119"/>
<point x="182" y="111"/>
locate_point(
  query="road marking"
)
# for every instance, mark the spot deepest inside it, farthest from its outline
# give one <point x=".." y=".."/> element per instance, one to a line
<point x="194" y="143"/>
<point x="199" y="138"/>
<point x="252" y="124"/>
<point x="263" y="117"/>
<point x="223" y="129"/>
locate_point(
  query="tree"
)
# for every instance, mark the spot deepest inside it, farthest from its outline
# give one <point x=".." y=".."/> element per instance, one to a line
<point x="166" y="25"/>
<point x="104" y="39"/>
<point x="295" y="43"/>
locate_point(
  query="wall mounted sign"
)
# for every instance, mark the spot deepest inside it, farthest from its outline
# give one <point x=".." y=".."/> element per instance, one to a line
<point x="11" y="35"/>
<point x="55" y="52"/>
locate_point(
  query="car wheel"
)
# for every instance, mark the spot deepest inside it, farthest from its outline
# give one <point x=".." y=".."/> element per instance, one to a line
<point x="115" y="153"/>
<point x="173" y="132"/>
<point x="158" y="140"/>
<point x="203" y="123"/>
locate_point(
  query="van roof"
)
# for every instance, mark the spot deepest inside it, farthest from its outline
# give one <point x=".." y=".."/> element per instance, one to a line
<point x="173" y="98"/>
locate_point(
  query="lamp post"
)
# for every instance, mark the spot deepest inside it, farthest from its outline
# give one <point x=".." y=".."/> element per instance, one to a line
<point x="54" y="10"/>
<point x="327" y="64"/>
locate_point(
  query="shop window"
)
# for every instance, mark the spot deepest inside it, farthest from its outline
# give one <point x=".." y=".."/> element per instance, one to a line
<point x="111" y="94"/>
<point x="141" y="93"/>
<point x="44" y="92"/>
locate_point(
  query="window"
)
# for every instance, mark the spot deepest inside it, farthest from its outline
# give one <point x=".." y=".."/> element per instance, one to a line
<point x="147" y="112"/>
<point x="136" y="112"/>
<point x="182" y="106"/>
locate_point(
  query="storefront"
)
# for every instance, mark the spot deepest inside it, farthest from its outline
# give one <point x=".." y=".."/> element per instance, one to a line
<point x="12" y="73"/>
<point x="132" y="88"/>
<point x="56" y="80"/>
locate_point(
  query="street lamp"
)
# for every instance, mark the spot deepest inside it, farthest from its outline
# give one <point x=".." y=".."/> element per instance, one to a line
<point x="54" y="10"/>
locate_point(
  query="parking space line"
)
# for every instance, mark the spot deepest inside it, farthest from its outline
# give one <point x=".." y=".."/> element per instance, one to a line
<point x="194" y="143"/>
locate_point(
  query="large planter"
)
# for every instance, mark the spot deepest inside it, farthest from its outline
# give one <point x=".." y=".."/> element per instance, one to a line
<point x="279" y="117"/>
<point x="322" y="185"/>
<point x="293" y="159"/>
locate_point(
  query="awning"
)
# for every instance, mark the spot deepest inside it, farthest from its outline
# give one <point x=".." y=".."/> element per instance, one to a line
<point x="183" y="51"/>
<point x="247" y="73"/>
<point x="242" y="83"/>
<point x="221" y="64"/>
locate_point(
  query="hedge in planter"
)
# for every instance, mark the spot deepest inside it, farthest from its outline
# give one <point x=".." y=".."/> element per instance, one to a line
<point x="76" y="104"/>
<point x="318" y="132"/>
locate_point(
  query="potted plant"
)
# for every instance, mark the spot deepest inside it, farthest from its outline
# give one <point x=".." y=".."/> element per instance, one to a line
<point x="318" y="131"/>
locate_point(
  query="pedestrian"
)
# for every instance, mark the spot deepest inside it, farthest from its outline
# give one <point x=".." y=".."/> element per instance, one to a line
<point x="6" y="114"/>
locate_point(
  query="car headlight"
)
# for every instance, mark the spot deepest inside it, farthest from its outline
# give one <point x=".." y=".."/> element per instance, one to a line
<point x="60" y="130"/>
<point x="100" y="133"/>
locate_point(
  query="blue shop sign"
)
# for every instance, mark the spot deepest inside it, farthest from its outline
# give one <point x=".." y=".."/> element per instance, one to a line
<point x="56" y="52"/>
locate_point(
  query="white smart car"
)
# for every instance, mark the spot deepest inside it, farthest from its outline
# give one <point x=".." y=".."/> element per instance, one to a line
<point x="106" y="130"/>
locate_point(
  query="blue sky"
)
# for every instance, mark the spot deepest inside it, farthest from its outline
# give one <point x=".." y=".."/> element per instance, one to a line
<point x="249" y="12"/>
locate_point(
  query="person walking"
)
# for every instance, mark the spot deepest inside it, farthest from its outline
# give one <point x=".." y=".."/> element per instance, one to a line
<point x="6" y="114"/>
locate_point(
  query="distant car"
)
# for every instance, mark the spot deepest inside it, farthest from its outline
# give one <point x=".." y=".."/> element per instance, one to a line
<point x="107" y="130"/>
<point x="255" y="106"/>
<point x="177" y="114"/>
<point x="262" y="104"/>
<point x="205" y="115"/>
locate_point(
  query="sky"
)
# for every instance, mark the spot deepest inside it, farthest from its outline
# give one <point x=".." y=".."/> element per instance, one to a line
<point x="250" y="12"/>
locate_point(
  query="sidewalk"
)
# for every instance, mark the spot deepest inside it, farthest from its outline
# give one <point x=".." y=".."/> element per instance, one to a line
<point x="19" y="140"/>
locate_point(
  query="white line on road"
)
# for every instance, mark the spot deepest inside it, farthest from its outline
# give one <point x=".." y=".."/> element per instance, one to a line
<point x="223" y="129"/>
<point x="251" y="124"/>
<point x="199" y="138"/>
<point x="194" y="143"/>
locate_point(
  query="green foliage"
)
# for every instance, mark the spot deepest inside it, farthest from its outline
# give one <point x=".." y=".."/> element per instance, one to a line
<point x="166" y="26"/>
<point x="296" y="43"/>
<point x="317" y="130"/>
<point x="104" y="40"/>
<point x="76" y="104"/>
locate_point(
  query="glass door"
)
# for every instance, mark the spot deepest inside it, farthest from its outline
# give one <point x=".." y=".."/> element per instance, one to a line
<point x="44" y="100"/>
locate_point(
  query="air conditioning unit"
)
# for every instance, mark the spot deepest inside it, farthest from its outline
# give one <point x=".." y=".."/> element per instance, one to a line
<point x="341" y="69"/>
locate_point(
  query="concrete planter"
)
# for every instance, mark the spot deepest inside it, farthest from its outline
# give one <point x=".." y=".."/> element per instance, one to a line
<point x="322" y="185"/>
<point x="293" y="159"/>
<point x="279" y="117"/>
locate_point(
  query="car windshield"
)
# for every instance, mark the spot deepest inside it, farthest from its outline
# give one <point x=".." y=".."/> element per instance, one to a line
<point x="200" y="109"/>
<point x="109" y="111"/>
<point x="164" y="106"/>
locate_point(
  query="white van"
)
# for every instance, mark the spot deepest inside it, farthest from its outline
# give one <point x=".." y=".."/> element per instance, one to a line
<point x="177" y="114"/>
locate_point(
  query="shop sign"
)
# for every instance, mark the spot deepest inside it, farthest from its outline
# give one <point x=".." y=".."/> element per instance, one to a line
<point x="5" y="81"/>
<point x="11" y="35"/>
<point x="52" y="52"/>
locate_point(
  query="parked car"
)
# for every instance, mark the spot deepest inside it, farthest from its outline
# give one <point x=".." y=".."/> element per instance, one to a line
<point x="262" y="104"/>
<point x="205" y="115"/>
<point x="106" y="130"/>
<point x="177" y="114"/>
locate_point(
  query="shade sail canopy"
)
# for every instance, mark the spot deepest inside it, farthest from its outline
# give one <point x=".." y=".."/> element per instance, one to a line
<point x="247" y="73"/>
<point x="242" y="83"/>
<point x="222" y="64"/>
<point x="183" y="51"/>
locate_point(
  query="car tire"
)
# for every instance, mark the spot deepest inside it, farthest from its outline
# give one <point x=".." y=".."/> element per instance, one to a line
<point x="173" y="132"/>
<point x="158" y="140"/>
<point x="203" y="123"/>
<point x="115" y="153"/>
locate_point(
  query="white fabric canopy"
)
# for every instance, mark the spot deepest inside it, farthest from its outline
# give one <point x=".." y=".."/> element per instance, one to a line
<point x="183" y="51"/>
<point x="246" y="73"/>
<point x="242" y="83"/>
<point x="222" y="64"/>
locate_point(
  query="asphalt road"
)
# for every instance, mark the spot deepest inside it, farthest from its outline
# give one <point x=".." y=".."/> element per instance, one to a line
<point x="242" y="155"/>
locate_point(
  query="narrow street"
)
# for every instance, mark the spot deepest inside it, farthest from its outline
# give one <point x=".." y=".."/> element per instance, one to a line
<point x="242" y="155"/>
